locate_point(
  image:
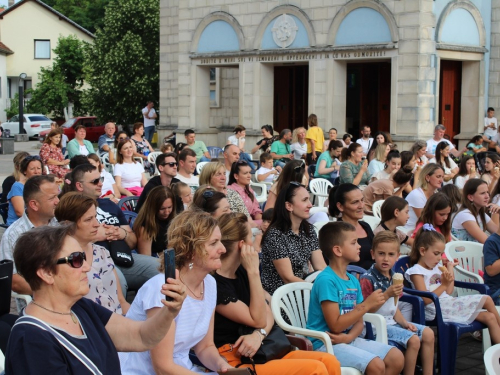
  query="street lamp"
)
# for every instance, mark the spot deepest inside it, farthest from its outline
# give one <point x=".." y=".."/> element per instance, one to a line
<point x="22" y="77"/>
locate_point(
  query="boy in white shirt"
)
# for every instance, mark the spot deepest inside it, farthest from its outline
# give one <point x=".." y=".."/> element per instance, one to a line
<point x="266" y="172"/>
<point x="491" y="129"/>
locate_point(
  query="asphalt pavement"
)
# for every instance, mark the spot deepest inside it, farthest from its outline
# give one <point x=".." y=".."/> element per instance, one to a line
<point x="6" y="164"/>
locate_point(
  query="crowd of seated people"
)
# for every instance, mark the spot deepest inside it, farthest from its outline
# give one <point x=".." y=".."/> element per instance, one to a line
<point x="233" y="251"/>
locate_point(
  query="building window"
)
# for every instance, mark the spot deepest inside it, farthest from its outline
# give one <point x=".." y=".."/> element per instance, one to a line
<point x="42" y="49"/>
<point x="214" y="87"/>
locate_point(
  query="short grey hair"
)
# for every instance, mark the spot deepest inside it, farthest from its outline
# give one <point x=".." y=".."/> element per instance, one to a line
<point x="439" y="127"/>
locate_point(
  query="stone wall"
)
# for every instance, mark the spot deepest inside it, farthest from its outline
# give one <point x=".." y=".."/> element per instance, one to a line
<point x="494" y="78"/>
<point x="227" y="115"/>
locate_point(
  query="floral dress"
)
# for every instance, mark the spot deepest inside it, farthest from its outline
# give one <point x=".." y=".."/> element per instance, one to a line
<point x="55" y="153"/>
<point x="102" y="280"/>
<point x="464" y="309"/>
<point x="142" y="147"/>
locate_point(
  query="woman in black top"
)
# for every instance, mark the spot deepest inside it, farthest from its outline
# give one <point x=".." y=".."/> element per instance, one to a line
<point x="265" y="143"/>
<point x="153" y="220"/>
<point x="290" y="242"/>
<point x="242" y="317"/>
<point x="346" y="203"/>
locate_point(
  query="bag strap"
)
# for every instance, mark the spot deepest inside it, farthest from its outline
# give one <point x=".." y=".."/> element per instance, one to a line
<point x="62" y="340"/>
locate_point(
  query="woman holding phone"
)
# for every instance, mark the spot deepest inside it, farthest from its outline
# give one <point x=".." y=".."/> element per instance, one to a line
<point x="196" y="238"/>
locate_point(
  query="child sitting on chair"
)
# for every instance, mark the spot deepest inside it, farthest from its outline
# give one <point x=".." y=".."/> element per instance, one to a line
<point x="385" y="253"/>
<point x="337" y="307"/>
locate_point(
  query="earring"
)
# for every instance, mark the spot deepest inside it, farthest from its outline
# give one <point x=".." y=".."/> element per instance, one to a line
<point x="190" y="265"/>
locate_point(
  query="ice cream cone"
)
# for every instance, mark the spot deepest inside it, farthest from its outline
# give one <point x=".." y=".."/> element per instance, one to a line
<point x="397" y="279"/>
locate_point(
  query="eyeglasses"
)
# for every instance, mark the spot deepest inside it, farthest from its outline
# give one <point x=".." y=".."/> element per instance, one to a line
<point x="295" y="183"/>
<point x="96" y="181"/>
<point x="75" y="259"/>
<point x="171" y="165"/>
<point x="299" y="167"/>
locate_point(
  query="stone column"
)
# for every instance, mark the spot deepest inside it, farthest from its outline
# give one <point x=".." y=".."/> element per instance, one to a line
<point x="494" y="78"/>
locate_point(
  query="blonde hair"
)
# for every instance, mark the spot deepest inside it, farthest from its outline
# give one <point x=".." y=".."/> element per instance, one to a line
<point x="295" y="133"/>
<point x="380" y="152"/>
<point x="209" y="170"/>
<point x="385" y="236"/>
<point x="428" y="170"/>
<point x="188" y="233"/>
<point x="233" y="227"/>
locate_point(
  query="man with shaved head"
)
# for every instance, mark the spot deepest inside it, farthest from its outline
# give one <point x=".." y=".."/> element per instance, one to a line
<point x="106" y="140"/>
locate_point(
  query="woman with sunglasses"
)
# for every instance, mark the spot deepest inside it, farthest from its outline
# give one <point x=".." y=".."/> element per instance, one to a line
<point x="242" y="316"/>
<point x="290" y="242"/>
<point x="109" y="188"/>
<point x="153" y="220"/>
<point x="211" y="201"/>
<point x="129" y="174"/>
<point x="79" y="145"/>
<point x="104" y="284"/>
<point x="57" y="271"/>
<point x="239" y="181"/>
<point x="51" y="154"/>
<point x="196" y="238"/>
<point x="30" y="166"/>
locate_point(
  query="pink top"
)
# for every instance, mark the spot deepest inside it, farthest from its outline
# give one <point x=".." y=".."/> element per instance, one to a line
<point x="253" y="207"/>
<point x="420" y="225"/>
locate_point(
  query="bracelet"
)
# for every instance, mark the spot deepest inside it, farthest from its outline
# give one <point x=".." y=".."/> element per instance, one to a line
<point x="261" y="336"/>
<point x="126" y="234"/>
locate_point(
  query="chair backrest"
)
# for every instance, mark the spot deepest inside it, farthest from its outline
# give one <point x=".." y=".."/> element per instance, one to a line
<point x="492" y="360"/>
<point x="4" y="209"/>
<point x="376" y="207"/>
<point x="402" y="264"/>
<point x="152" y="160"/>
<point x="372" y="221"/>
<point x="293" y="301"/>
<point x="314" y="210"/>
<point x="140" y="160"/>
<point x="318" y="225"/>
<point x="355" y="270"/>
<point x="130" y="216"/>
<point x="200" y="166"/>
<point x="260" y="191"/>
<point x="319" y="187"/>
<point x="105" y="162"/>
<point x="470" y="263"/>
<point x="214" y="151"/>
<point x="312" y="276"/>
<point x="128" y="203"/>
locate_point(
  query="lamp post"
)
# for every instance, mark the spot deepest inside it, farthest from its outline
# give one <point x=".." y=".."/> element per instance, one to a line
<point x="22" y="77"/>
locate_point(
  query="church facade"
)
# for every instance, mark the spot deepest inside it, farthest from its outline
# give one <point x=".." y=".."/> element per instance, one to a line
<point x="400" y="66"/>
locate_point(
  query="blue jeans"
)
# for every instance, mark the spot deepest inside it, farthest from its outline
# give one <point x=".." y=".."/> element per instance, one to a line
<point x="149" y="131"/>
<point x="245" y="157"/>
<point x="144" y="268"/>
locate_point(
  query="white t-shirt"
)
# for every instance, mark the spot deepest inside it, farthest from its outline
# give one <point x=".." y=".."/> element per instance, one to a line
<point x="489" y="131"/>
<point x="461" y="180"/>
<point x="83" y="150"/>
<point x="416" y="199"/>
<point x="463" y="216"/>
<point x="150" y="113"/>
<point x="108" y="183"/>
<point x="298" y="150"/>
<point x="269" y="178"/>
<point x="431" y="145"/>
<point x="192" y="324"/>
<point x="193" y="181"/>
<point x="130" y="173"/>
<point x="366" y="144"/>
<point x="447" y="170"/>
<point x="381" y="175"/>
<point x="239" y="142"/>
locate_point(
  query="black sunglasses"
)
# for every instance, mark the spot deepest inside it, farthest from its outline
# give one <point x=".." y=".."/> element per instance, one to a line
<point x="299" y="167"/>
<point x="32" y="157"/>
<point x="171" y="165"/>
<point x="96" y="181"/>
<point x="75" y="259"/>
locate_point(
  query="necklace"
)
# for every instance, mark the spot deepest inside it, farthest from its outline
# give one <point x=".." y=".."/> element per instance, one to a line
<point x="194" y="294"/>
<point x="73" y="317"/>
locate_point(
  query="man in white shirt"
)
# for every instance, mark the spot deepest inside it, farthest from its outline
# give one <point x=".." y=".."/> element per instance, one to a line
<point x="150" y="116"/>
<point x="491" y="134"/>
<point x="186" y="167"/>
<point x="365" y="142"/>
<point x="439" y="131"/>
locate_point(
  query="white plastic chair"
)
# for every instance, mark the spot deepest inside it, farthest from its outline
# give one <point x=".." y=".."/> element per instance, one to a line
<point x="152" y="159"/>
<point x="2" y="362"/>
<point x="106" y="164"/>
<point x="470" y="259"/>
<point x="261" y="193"/>
<point x="376" y="209"/>
<point x="293" y="300"/>
<point x="140" y="160"/>
<point x="314" y="210"/>
<point x="46" y="169"/>
<point x="491" y="360"/>
<point x="200" y="166"/>
<point x="25" y="297"/>
<point x="318" y="225"/>
<point x="319" y="187"/>
<point x="372" y="221"/>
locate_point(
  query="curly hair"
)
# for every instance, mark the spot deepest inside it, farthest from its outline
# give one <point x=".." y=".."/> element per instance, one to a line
<point x="188" y="233"/>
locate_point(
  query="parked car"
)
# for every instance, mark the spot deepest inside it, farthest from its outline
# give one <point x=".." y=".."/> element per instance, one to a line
<point x="33" y="123"/>
<point x="94" y="131"/>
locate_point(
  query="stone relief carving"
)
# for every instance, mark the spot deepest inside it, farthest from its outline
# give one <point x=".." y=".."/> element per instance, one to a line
<point x="284" y="30"/>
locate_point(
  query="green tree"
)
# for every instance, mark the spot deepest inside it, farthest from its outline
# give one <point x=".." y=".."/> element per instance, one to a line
<point x="122" y="66"/>
<point x="61" y="83"/>
<point x="87" y="13"/>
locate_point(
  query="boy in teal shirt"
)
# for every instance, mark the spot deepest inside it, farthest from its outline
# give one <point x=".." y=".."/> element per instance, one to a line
<point x="337" y="307"/>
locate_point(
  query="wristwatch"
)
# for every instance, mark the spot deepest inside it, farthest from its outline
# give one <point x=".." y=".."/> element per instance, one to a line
<point x="262" y="331"/>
